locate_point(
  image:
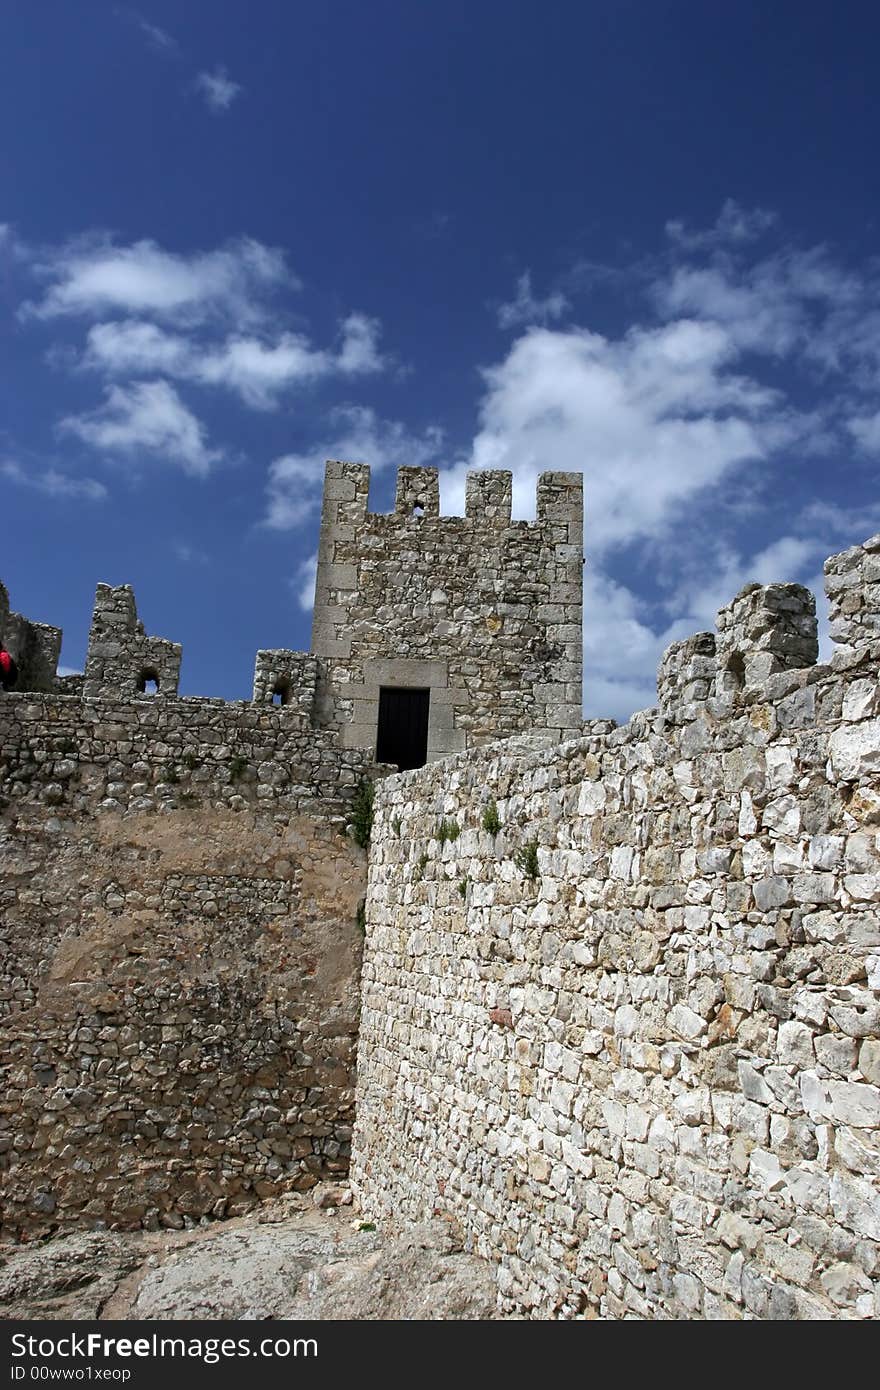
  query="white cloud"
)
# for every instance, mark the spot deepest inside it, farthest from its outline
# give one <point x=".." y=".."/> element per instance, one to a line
<point x="678" y="428"/>
<point x="865" y="430"/>
<point x="295" y="480"/>
<point x="146" y="417"/>
<point x="758" y="312"/>
<point x="839" y="523"/>
<point x="258" y="371"/>
<point x="158" y="39"/>
<point x="133" y="345"/>
<point x="303" y="582"/>
<point x="790" y="303"/>
<point x="293" y="489"/>
<point x="639" y="419"/>
<point x="13" y="248"/>
<point x="359" y="351"/>
<point x="715" y="575"/>
<point x="735" y="226"/>
<point x="92" y="277"/>
<point x="257" y="368"/>
<point x="621" y="651"/>
<point x="189" y="554"/>
<point x="53" y="483"/>
<point x="218" y="89"/>
<point x="676" y="423"/>
<point x="525" y="310"/>
<point x="651" y="419"/>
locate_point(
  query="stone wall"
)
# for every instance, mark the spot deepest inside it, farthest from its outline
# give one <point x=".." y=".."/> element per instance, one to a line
<point x="483" y="611"/>
<point x="179" y="991"/>
<point x="621" y="999"/>
<point x="35" y="647"/>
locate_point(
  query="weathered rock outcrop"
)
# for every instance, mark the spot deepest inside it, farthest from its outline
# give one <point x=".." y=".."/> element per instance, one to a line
<point x="293" y="1261"/>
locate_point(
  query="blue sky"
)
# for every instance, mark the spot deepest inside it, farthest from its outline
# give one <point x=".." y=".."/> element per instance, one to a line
<point x="637" y="239"/>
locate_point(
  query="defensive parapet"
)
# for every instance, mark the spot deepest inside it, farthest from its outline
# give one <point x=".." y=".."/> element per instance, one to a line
<point x="288" y="679"/>
<point x="35" y="647"/>
<point x="122" y="660"/>
<point x="438" y="633"/>
<point x="852" y="583"/>
<point x="768" y="629"/>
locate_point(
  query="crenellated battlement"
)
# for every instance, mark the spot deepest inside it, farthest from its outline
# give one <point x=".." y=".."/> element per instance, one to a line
<point x="478" y="613"/>
<point x="488" y="498"/>
<point x="489" y="495"/>
<point x="418" y="493"/>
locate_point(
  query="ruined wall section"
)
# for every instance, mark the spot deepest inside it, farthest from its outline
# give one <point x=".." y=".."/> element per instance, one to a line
<point x="288" y="679"/>
<point x="179" y="991"/>
<point x="35" y="647"/>
<point x="122" y="660"/>
<point x="621" y="1003"/>
<point x="484" y="611"/>
<point x="765" y="631"/>
<point x="852" y="583"/>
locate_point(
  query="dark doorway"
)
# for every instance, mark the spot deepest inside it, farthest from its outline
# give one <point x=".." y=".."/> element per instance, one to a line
<point x="403" y="727"/>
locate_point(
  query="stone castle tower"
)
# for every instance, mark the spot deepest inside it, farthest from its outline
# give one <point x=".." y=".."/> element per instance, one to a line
<point x="436" y="633"/>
